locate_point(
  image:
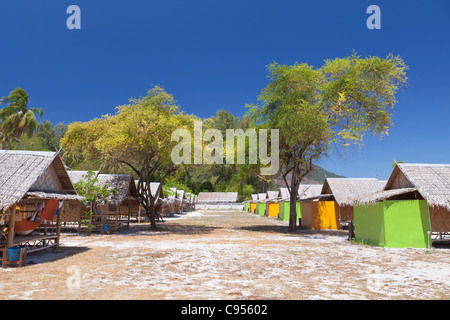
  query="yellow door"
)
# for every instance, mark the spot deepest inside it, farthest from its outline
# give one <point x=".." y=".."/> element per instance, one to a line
<point x="325" y="215"/>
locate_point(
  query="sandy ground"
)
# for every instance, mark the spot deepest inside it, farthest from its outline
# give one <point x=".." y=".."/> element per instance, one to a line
<point x="226" y="255"/>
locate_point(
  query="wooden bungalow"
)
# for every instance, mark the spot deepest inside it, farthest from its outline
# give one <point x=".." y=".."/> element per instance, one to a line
<point x="412" y="210"/>
<point x="217" y="197"/>
<point x="261" y="204"/>
<point x="334" y="206"/>
<point x="117" y="209"/>
<point x="305" y="191"/>
<point x="35" y="192"/>
<point x="181" y="195"/>
<point x="175" y="201"/>
<point x="272" y="204"/>
<point x="253" y="202"/>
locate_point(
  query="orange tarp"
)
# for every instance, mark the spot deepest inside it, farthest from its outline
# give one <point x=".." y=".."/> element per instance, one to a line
<point x="325" y="215"/>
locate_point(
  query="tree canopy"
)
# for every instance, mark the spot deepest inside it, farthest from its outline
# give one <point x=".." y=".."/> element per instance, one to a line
<point x="137" y="136"/>
<point x="334" y="105"/>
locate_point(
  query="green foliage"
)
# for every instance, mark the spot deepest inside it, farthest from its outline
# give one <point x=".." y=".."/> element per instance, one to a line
<point x="89" y="189"/>
<point x="138" y="136"/>
<point x="335" y="105"/>
<point x="17" y="119"/>
<point x="92" y="193"/>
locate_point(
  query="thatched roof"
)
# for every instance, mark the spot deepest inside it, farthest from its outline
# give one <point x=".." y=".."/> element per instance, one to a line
<point x="284" y="193"/>
<point x="345" y="190"/>
<point x="431" y="181"/>
<point x="217" y="197"/>
<point x="123" y="184"/>
<point x="306" y="191"/>
<point x="272" y="195"/>
<point x="153" y="188"/>
<point x="381" y="195"/>
<point x="262" y="197"/>
<point x="30" y="171"/>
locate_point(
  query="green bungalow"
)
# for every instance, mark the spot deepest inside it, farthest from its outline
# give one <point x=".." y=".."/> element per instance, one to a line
<point x="261" y="204"/>
<point x="413" y="208"/>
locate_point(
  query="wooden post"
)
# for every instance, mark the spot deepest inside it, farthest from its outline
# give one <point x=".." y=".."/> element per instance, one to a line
<point x="12" y="222"/>
<point x="58" y="228"/>
<point x="117" y="217"/>
<point x="129" y="213"/>
<point x="81" y="216"/>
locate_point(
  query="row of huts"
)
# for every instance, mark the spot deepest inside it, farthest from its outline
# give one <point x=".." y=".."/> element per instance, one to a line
<point x="410" y="209"/>
<point x="37" y="198"/>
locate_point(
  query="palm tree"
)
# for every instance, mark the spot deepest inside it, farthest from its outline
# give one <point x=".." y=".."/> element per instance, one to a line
<point x="16" y="118"/>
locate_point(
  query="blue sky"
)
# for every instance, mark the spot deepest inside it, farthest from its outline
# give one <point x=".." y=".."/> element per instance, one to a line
<point x="213" y="54"/>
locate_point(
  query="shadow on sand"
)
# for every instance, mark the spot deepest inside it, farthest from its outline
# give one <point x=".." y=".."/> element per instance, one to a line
<point x="49" y="255"/>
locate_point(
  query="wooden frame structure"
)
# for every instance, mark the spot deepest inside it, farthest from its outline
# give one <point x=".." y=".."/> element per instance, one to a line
<point x="30" y="179"/>
<point x="117" y="210"/>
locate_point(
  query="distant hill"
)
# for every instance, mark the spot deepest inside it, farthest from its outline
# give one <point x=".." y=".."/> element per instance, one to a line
<point x="317" y="176"/>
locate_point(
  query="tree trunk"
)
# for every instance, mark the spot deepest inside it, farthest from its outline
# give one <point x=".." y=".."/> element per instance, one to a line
<point x="151" y="213"/>
<point x="295" y="182"/>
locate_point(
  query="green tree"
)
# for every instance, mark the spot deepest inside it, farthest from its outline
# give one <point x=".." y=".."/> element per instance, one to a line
<point x="92" y="193"/>
<point x="16" y="117"/>
<point x="137" y="136"/>
<point x="335" y="105"/>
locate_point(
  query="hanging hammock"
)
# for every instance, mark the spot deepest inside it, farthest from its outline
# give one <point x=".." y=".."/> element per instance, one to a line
<point x="24" y="227"/>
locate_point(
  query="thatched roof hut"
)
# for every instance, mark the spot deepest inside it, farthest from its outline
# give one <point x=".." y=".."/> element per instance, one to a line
<point x="344" y="190"/>
<point x="414" y="204"/>
<point x="28" y="181"/>
<point x="123" y="184"/>
<point x="217" y="197"/>
<point x="415" y="181"/>
<point x="31" y="174"/>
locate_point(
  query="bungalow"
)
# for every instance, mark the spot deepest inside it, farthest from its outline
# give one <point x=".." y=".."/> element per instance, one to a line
<point x="35" y="191"/>
<point x="413" y="206"/>
<point x="334" y="205"/>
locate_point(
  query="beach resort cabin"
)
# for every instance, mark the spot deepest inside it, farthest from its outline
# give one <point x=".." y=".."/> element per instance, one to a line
<point x="181" y="195"/>
<point x="411" y="211"/>
<point x="118" y="208"/>
<point x="334" y="205"/>
<point x="35" y="191"/>
<point x="158" y="194"/>
<point x="253" y="203"/>
<point x="217" y="197"/>
<point x="305" y="191"/>
<point x="218" y="200"/>
<point x="272" y="204"/>
<point x="261" y="204"/>
<point x="175" y="201"/>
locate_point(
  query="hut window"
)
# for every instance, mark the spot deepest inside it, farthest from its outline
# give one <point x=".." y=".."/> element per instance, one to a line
<point x="112" y="207"/>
